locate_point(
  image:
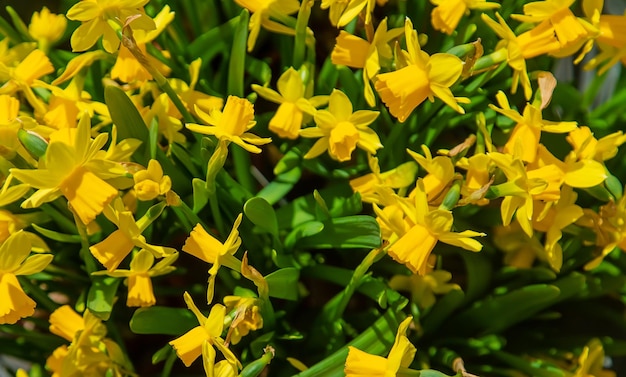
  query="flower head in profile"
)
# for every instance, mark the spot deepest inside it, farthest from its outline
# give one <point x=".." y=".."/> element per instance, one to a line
<point x="340" y="130"/>
<point x="363" y="364"/>
<point x="231" y="124"/>
<point x="139" y="277"/>
<point x="296" y="108"/>
<point x="204" y="339"/>
<point x="95" y="15"/>
<point x="356" y="52"/>
<point x="151" y="182"/>
<point x="46" y="27"/>
<point x="15" y="261"/>
<point x="447" y="13"/>
<point x="204" y="246"/>
<point x="422" y="77"/>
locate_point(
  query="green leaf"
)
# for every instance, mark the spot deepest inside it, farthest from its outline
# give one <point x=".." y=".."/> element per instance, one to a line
<point x="162" y="320"/>
<point x="238" y="55"/>
<point x="53" y="235"/>
<point x="261" y="213"/>
<point x="284" y="283"/>
<point x="442" y="310"/>
<point x="348" y="232"/>
<point x="101" y="296"/>
<point x="129" y="122"/>
<point x="303" y="230"/>
<point x="200" y="194"/>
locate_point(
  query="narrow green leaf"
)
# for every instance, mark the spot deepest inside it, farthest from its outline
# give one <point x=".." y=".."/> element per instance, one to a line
<point x="358" y="231"/>
<point x="101" y="296"/>
<point x="200" y="194"/>
<point x="129" y="122"/>
<point x="53" y="235"/>
<point x="303" y="230"/>
<point x="238" y="55"/>
<point x="162" y="320"/>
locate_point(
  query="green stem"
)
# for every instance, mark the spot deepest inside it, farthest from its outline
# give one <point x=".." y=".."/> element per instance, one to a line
<point x="215" y="211"/>
<point x="169" y="363"/>
<point x="301" y="33"/>
<point x="85" y="254"/>
<point x="492" y="60"/>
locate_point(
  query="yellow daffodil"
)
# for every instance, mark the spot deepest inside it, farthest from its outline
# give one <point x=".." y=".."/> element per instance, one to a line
<point x="262" y="10"/>
<point x="477" y="178"/>
<point x="447" y="13"/>
<point x="22" y="77"/>
<point x="440" y="172"/>
<point x="524" y="139"/>
<point x="112" y="250"/>
<point x="341" y="131"/>
<point x="341" y="12"/>
<point x="231" y="124"/>
<point x="10" y="123"/>
<point x="142" y="269"/>
<point x="423" y="77"/>
<point x="587" y="147"/>
<point x="90" y="353"/>
<point x="126" y="67"/>
<point x="71" y="168"/>
<point x="611" y="40"/>
<point x="551" y="219"/>
<point x="591" y="361"/>
<point x="191" y="97"/>
<point x="362" y="364"/>
<point x="523" y="186"/>
<point x="151" y="182"/>
<point x="580" y="173"/>
<point x="95" y="15"/>
<point x="519" y="249"/>
<point x="15" y="261"/>
<point x="422" y="230"/>
<point x="203" y="246"/>
<point x="169" y="126"/>
<point x="296" y="108"/>
<point x="46" y="28"/>
<point x="370" y="185"/>
<point x="204" y="339"/>
<point x="567" y="27"/>
<point x="424" y="288"/>
<point x="355" y="52"/>
<point x="246" y="316"/>
<point x="537" y="41"/>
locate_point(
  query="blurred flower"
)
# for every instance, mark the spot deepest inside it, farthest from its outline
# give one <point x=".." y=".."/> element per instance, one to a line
<point x="203" y="246"/>
<point x="591" y="361"/>
<point x="447" y="13"/>
<point x="246" y="316"/>
<point x="262" y="10"/>
<point x="424" y="288"/>
<point x="15" y="261"/>
<point x="423" y="77"/>
<point x="46" y="27"/>
<point x="95" y="16"/>
<point x="203" y="339"/>
<point x="362" y="364"/>
<point x="295" y="104"/>
<point x="341" y="131"/>
<point x="341" y="12"/>
<point x="232" y="124"/>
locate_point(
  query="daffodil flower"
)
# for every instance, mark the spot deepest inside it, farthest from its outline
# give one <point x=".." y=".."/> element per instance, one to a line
<point x="191" y="97"/>
<point x="341" y="131"/>
<point x="112" y="250"/>
<point x="587" y="147"/>
<point x="538" y="41"/>
<point x="424" y="288"/>
<point x="151" y="182"/>
<point x="169" y="125"/>
<point x="341" y="12"/>
<point x="447" y="13"/>
<point x="231" y="125"/>
<point x="591" y="361"/>
<point x="422" y="229"/>
<point x="71" y="168"/>
<point x="203" y="246"/>
<point x="610" y="39"/>
<point x="262" y="10"/>
<point x="355" y="52"/>
<point x="246" y="316"/>
<point x="423" y="77"/>
<point x="295" y="104"/>
<point x="142" y="269"/>
<point x="371" y="186"/>
<point x="94" y="16"/>
<point x="15" y="261"/>
<point x="46" y="28"/>
<point x="363" y="364"/>
<point x="204" y="339"/>
<point x="440" y="172"/>
<point x="524" y="139"/>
